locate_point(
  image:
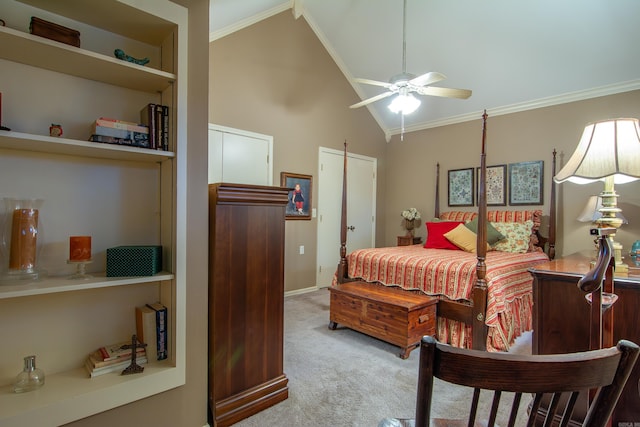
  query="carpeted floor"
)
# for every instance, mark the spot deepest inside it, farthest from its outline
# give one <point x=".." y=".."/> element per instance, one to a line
<point x="344" y="378"/>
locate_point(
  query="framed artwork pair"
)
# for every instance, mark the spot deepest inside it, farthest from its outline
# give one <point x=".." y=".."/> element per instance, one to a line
<point x="524" y="184"/>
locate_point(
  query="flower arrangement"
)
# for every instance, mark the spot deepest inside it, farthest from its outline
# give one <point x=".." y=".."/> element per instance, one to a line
<point x="411" y="214"/>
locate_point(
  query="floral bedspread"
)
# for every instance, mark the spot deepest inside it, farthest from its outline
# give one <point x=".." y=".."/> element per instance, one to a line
<point x="452" y="274"/>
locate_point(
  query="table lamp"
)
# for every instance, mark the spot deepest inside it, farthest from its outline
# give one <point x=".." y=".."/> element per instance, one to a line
<point x="608" y="151"/>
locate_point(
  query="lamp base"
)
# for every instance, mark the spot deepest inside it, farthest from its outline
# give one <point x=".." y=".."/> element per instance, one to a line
<point x="621" y="269"/>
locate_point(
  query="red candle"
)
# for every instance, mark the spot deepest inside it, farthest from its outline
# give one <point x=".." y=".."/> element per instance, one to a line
<point x="80" y="248"/>
<point x="24" y="233"/>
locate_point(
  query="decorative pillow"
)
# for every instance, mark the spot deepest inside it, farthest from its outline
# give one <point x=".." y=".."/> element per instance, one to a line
<point x="435" y="235"/>
<point x="463" y="238"/>
<point x="517" y="233"/>
<point x="494" y="216"/>
<point x="457" y="216"/>
<point x="493" y="235"/>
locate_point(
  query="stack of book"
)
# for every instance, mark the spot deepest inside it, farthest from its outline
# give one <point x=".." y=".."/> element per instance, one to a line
<point x="112" y="131"/>
<point x="156" y="118"/>
<point x="113" y="358"/>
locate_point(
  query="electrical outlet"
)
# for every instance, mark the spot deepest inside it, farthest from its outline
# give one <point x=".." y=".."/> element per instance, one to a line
<point x="301" y="249"/>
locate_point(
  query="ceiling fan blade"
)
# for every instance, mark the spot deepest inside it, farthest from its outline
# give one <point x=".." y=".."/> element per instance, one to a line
<point x="372" y="99"/>
<point x="444" y="92"/>
<point x="372" y="82"/>
<point x="427" y="79"/>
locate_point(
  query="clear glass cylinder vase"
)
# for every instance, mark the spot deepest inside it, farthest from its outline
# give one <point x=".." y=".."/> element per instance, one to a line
<point x="22" y="240"/>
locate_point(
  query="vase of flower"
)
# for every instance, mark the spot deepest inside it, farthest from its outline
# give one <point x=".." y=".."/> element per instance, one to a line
<point x="410" y="216"/>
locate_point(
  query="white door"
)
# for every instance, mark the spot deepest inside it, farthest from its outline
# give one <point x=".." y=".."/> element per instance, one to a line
<point x="361" y="201"/>
<point x="238" y="156"/>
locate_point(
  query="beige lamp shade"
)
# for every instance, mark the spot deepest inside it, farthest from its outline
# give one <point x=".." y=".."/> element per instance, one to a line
<point x="607" y="148"/>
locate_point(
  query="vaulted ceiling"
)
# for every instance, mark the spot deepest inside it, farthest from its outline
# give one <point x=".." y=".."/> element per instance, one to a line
<point x="513" y="55"/>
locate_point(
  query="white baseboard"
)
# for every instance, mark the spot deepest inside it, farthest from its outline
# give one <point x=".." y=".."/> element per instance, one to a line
<point x="300" y="291"/>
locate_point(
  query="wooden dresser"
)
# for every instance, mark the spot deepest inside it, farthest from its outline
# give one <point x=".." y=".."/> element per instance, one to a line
<point x="246" y="300"/>
<point x="561" y="320"/>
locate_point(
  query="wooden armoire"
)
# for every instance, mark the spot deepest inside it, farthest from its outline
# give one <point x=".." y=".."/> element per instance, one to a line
<point x="246" y="300"/>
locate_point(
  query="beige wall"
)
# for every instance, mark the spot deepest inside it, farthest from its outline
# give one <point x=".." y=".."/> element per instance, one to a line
<point x="276" y="78"/>
<point x="186" y="405"/>
<point x="525" y="136"/>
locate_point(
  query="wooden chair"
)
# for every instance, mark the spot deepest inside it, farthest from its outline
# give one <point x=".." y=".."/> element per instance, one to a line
<point x="605" y="370"/>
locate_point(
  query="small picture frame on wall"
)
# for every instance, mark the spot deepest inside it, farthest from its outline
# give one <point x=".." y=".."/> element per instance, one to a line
<point x="460" y="187"/>
<point x="300" y="187"/>
<point x="526" y="181"/>
<point x="496" y="185"/>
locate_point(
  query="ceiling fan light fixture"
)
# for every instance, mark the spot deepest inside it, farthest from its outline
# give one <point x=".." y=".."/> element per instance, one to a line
<point x="405" y="103"/>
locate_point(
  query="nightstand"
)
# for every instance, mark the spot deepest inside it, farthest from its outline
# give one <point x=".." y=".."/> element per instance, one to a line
<point x="409" y="240"/>
<point x="561" y="321"/>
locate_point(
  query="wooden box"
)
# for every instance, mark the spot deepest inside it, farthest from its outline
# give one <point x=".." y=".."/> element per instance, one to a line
<point x="390" y="314"/>
<point x="49" y="30"/>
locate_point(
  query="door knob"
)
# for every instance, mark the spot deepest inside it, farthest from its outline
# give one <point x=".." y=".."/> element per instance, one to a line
<point x="351" y="227"/>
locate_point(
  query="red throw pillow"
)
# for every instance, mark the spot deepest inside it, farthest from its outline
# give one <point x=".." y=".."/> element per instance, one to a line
<point x="435" y="235"/>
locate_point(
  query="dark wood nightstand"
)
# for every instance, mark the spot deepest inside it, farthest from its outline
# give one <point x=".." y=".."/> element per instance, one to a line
<point x="409" y="240"/>
<point x="561" y="320"/>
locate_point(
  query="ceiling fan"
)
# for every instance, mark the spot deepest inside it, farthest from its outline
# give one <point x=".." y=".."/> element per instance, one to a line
<point x="404" y="84"/>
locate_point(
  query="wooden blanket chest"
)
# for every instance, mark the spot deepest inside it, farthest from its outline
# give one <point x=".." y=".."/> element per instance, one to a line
<point x="390" y="314"/>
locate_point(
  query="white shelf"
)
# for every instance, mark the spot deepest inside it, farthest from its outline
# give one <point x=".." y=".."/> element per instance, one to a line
<point x="54" y="285"/>
<point x="74" y="147"/>
<point x="70" y="395"/>
<point x="36" y="51"/>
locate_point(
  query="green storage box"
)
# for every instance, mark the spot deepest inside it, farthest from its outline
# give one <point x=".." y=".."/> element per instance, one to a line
<point x="125" y="261"/>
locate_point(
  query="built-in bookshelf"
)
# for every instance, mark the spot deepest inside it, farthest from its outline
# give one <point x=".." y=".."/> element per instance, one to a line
<point x="119" y="195"/>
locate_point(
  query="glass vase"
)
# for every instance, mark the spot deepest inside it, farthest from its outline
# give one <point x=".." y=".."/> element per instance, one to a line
<point x="21" y="240"/>
<point x="409" y="225"/>
<point x="30" y="378"/>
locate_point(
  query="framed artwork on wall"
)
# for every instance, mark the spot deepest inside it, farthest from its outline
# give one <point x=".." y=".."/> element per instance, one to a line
<point x="526" y="183"/>
<point x="460" y="187"/>
<point x="496" y="185"/>
<point x="300" y="186"/>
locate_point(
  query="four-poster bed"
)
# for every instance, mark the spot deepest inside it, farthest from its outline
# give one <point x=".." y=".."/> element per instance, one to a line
<point x="484" y="298"/>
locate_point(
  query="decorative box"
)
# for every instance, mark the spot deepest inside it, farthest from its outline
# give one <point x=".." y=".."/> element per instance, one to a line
<point x="49" y="30"/>
<point x="134" y="261"/>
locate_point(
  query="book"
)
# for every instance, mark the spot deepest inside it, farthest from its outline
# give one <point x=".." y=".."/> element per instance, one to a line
<point x="161" y="329"/>
<point x="159" y="127"/>
<point x="138" y="137"/>
<point x="118" y="141"/>
<point x="117" y="367"/>
<point x="165" y="128"/>
<point x="97" y="361"/>
<point x="121" y="124"/>
<point x="148" y="118"/>
<point x="146" y="330"/>
<point x="114" y="351"/>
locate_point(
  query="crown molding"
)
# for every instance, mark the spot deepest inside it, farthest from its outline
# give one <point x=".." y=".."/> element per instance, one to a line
<point x="525" y="106"/>
<point x="215" y="35"/>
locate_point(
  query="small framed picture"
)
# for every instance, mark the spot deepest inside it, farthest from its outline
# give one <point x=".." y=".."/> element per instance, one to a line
<point x="526" y="181"/>
<point x="460" y="187"/>
<point x="300" y="186"/>
<point x="495" y="185"/>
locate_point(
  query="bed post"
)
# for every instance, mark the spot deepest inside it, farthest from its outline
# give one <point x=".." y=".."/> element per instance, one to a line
<point x="342" y="266"/>
<point x="479" y="293"/>
<point x="552" y="210"/>
<point x="437" y="208"/>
